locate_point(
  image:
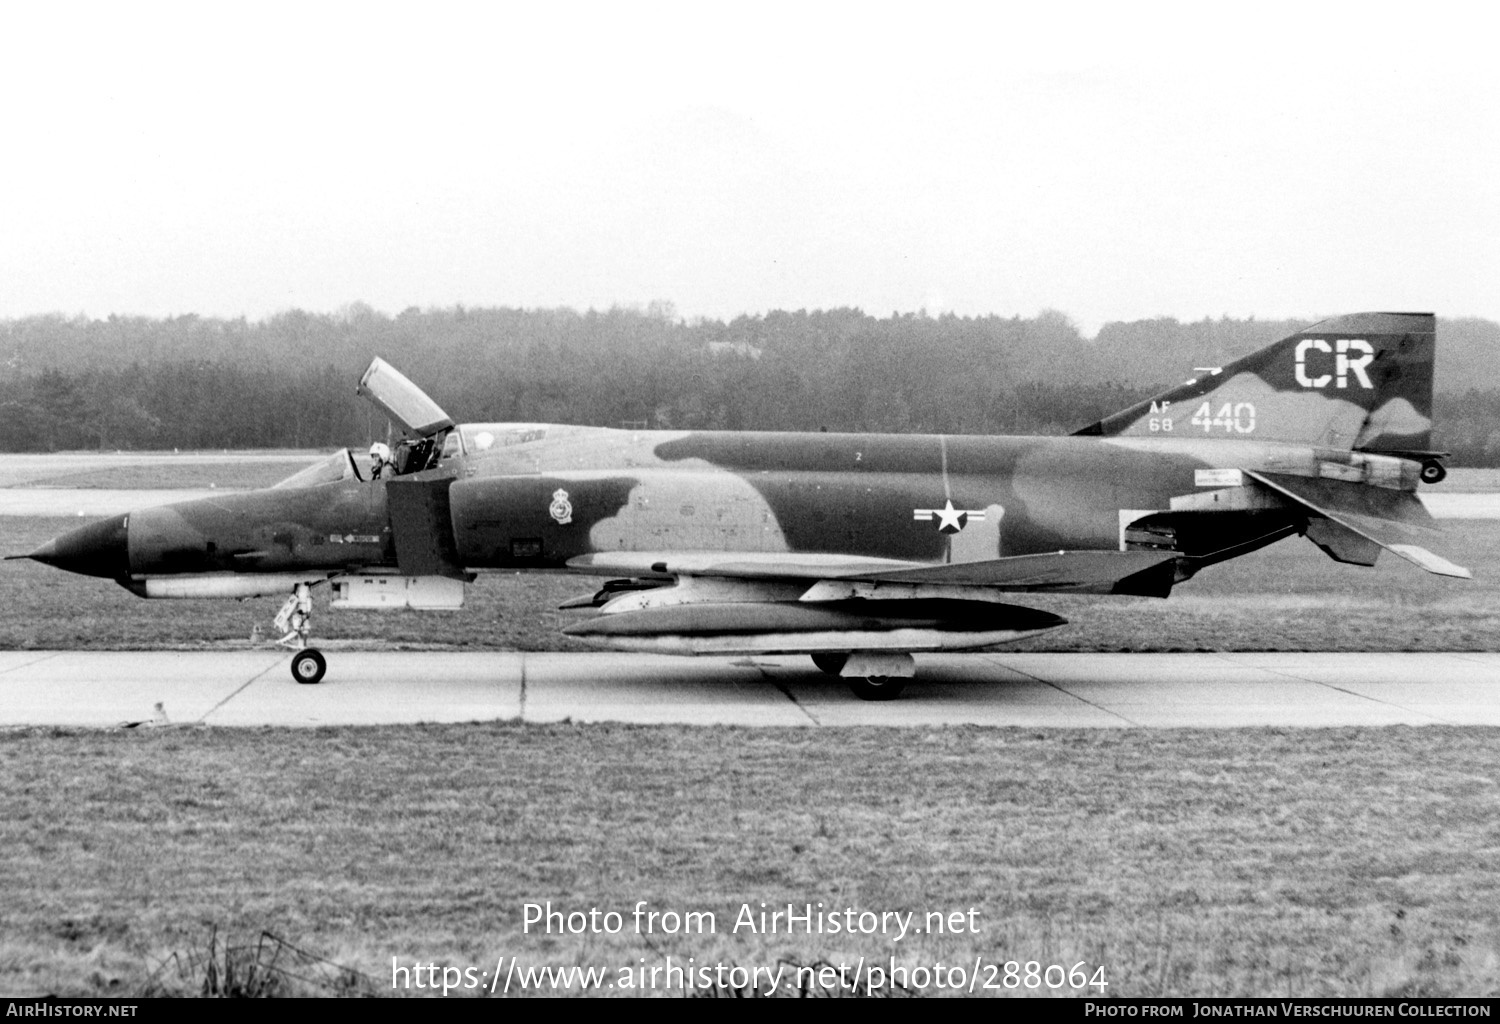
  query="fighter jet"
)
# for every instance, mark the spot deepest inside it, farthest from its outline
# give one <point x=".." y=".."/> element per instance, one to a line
<point x="859" y="550"/>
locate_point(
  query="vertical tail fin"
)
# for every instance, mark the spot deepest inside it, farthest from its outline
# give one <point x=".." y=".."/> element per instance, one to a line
<point x="1359" y="381"/>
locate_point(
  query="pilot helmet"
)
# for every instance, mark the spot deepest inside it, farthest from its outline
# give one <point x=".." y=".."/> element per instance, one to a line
<point x="380" y="451"/>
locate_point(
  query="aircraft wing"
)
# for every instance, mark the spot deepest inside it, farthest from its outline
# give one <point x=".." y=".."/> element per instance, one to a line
<point x="1146" y="573"/>
<point x="1149" y="573"/>
<point x="741" y="564"/>
<point x="1365" y="519"/>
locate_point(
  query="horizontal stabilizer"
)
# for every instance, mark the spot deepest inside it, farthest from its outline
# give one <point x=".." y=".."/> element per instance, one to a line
<point x="1393" y="519"/>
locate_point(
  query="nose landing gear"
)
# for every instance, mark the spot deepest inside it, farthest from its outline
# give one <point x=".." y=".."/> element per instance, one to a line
<point x="308" y="664"/>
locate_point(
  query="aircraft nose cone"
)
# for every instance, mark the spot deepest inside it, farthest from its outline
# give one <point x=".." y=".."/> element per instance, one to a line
<point x="98" y="549"/>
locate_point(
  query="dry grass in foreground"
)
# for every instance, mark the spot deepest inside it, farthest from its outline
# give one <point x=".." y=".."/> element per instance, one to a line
<point x="1256" y="862"/>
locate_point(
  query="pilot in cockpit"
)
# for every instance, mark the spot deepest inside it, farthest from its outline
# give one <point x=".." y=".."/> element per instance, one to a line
<point x="380" y="458"/>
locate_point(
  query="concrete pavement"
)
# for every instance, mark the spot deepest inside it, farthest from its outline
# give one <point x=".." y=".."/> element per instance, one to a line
<point x="251" y="688"/>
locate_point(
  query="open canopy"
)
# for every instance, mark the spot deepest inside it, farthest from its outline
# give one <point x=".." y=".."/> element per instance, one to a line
<point x="403" y="401"/>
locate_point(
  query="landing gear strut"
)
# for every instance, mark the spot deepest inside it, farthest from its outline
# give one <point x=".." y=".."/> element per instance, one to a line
<point x="308" y="664"/>
<point x="829" y="662"/>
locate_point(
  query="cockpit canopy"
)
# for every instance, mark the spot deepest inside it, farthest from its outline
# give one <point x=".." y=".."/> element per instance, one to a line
<point x="473" y="438"/>
<point x="335" y="468"/>
<point x="431" y="437"/>
<point x="404" y="402"/>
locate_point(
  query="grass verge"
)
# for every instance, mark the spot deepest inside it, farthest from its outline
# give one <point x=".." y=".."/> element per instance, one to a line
<point x="1269" y="862"/>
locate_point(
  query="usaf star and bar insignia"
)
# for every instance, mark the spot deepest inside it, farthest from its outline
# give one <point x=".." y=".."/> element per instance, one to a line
<point x="949" y="519"/>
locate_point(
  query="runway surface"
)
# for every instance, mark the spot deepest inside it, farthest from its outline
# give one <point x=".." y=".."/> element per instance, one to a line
<point x="253" y="688"/>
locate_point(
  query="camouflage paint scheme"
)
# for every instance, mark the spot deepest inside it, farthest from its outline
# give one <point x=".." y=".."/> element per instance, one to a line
<point x="894" y="537"/>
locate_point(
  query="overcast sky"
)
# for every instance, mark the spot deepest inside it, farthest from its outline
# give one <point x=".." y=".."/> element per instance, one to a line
<point x="1112" y="162"/>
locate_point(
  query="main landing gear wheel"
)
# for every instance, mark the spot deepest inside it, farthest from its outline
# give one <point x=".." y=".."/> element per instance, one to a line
<point x="877" y="687"/>
<point x="833" y="664"/>
<point x="308" y="666"/>
<point x="1433" y="472"/>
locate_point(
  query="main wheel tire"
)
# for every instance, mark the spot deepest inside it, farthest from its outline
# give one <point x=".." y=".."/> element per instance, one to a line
<point x="1434" y="472"/>
<point x="308" y="666"/>
<point x="833" y="664"/>
<point x="877" y="687"/>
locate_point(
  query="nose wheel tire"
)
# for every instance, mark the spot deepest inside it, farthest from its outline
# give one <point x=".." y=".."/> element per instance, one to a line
<point x="877" y="687"/>
<point x="308" y="666"/>
<point x="1433" y="472"/>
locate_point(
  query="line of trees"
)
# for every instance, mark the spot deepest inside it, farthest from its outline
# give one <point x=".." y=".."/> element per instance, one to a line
<point x="288" y="381"/>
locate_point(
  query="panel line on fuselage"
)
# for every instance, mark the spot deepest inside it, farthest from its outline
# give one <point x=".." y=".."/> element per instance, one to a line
<point x="943" y="447"/>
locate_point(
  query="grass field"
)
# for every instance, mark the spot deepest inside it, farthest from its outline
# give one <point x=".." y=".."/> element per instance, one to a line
<point x="1235" y="862"/>
<point x="1311" y="863"/>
